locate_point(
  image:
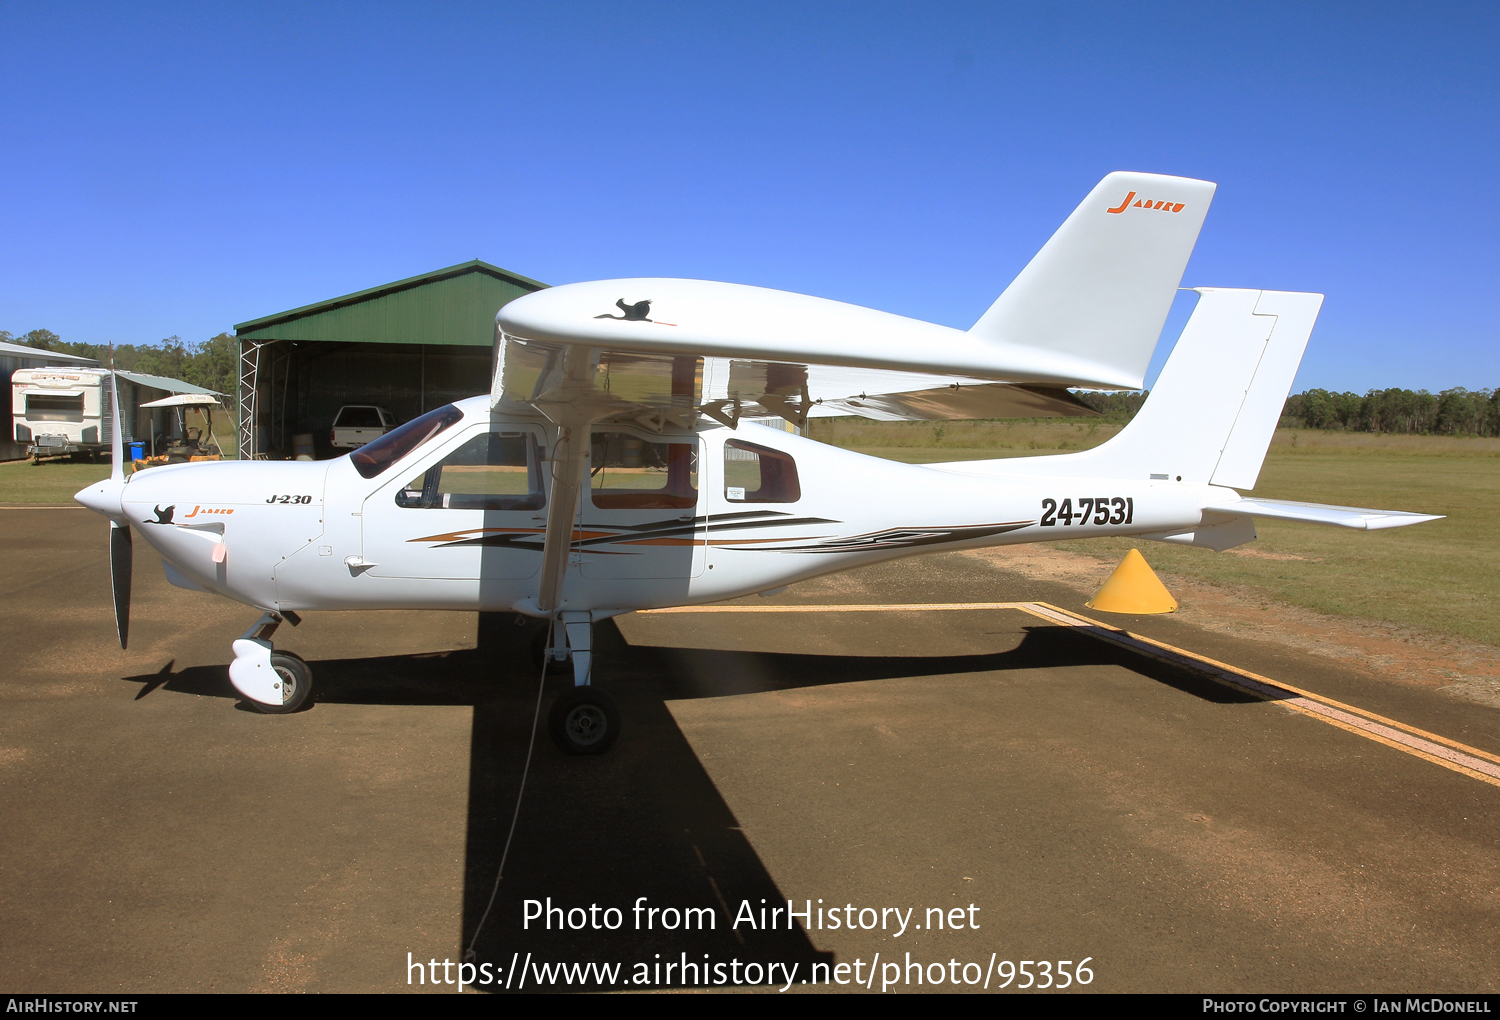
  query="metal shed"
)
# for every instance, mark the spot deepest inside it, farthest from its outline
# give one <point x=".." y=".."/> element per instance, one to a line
<point x="408" y="346"/>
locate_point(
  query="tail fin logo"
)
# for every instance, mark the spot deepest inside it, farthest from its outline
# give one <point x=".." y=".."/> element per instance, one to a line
<point x="1147" y="203"/>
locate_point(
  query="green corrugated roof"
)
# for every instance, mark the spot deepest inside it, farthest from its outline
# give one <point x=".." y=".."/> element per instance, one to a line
<point x="22" y="351"/>
<point x="161" y="382"/>
<point x="456" y="305"/>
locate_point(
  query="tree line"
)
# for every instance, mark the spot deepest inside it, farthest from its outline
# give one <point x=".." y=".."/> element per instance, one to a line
<point x="1115" y="407"/>
<point x="1455" y="412"/>
<point x="212" y="364"/>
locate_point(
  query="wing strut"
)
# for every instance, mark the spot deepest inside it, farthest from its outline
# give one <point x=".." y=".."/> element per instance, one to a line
<point x="567" y="459"/>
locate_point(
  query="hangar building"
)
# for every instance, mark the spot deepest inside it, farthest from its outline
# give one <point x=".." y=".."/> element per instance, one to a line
<point x="407" y="346"/>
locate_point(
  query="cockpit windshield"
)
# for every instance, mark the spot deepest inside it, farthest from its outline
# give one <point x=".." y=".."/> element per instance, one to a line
<point x="373" y="458"/>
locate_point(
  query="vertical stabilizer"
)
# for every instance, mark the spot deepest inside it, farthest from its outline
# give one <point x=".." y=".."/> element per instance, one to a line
<point x="1215" y="406"/>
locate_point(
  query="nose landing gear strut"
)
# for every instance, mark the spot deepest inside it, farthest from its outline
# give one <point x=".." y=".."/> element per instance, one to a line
<point x="273" y="682"/>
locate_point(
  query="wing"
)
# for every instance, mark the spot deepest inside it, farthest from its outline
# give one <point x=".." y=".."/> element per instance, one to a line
<point x="656" y="390"/>
<point x="797" y="392"/>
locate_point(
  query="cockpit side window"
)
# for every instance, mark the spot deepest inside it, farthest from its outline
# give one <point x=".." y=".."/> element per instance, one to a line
<point x="492" y="471"/>
<point x="373" y="458"/>
<point x="759" y="474"/>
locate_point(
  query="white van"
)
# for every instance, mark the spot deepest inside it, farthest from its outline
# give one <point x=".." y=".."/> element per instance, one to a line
<point x="358" y="424"/>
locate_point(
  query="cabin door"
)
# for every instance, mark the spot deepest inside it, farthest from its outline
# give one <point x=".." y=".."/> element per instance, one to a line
<point x="642" y="514"/>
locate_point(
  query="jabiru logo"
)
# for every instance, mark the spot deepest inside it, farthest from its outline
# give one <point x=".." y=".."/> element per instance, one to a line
<point x="1146" y="203"/>
<point x="207" y="510"/>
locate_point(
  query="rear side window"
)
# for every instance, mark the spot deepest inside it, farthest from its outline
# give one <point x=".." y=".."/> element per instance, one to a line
<point x="358" y="418"/>
<point x="759" y="474"/>
<point x="373" y="458"/>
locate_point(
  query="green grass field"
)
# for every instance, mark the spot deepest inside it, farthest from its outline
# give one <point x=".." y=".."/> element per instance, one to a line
<point x="923" y="442"/>
<point x="51" y="481"/>
<point x="55" y="481"/>
<point x="1442" y="577"/>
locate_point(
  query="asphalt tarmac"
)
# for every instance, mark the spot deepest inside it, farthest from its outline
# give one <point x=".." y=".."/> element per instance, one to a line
<point x="1047" y="796"/>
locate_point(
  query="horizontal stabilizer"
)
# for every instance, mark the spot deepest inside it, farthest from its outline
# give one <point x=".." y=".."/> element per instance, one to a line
<point x="1359" y="518"/>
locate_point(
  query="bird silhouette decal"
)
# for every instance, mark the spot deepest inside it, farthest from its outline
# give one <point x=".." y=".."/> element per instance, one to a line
<point x="633" y="313"/>
<point x="163" y="516"/>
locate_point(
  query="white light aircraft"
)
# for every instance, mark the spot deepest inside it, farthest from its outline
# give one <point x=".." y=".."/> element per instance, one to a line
<point x="610" y="470"/>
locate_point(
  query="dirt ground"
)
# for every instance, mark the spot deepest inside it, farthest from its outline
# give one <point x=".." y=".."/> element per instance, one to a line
<point x="1086" y="801"/>
<point x="1461" y="669"/>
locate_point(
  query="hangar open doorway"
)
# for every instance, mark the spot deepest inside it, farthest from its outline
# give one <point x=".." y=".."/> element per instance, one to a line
<point x="407" y="346"/>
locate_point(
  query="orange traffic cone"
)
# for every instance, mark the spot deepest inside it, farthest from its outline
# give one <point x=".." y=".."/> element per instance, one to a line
<point x="1134" y="588"/>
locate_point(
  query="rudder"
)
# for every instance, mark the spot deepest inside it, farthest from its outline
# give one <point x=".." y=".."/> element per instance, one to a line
<point x="1250" y="437"/>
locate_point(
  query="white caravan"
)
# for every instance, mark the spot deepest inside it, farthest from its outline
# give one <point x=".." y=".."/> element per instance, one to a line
<point x="60" y="410"/>
<point x="610" y="470"/>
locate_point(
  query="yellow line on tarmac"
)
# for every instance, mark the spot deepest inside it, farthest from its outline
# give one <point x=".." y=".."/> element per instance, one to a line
<point x="905" y="608"/>
<point x="1368" y="723"/>
<point x="1440" y="750"/>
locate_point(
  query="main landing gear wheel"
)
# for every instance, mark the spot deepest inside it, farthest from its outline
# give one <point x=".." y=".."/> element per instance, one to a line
<point x="295" y="678"/>
<point x="584" y="721"/>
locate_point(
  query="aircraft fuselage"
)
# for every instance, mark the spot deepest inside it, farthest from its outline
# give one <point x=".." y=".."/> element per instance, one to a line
<point x="661" y="524"/>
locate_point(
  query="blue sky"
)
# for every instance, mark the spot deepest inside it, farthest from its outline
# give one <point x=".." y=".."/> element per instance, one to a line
<point x="177" y="169"/>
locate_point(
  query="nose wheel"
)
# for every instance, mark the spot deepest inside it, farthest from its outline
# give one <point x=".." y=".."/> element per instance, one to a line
<point x="295" y="678"/>
<point x="272" y="682"/>
<point x="584" y="721"/>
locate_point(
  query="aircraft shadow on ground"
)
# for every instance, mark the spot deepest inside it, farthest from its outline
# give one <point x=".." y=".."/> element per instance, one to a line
<point x="644" y="820"/>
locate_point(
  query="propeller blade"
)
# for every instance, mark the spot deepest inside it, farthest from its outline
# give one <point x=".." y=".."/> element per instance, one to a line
<point x="116" y="442"/>
<point x="119" y="575"/>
